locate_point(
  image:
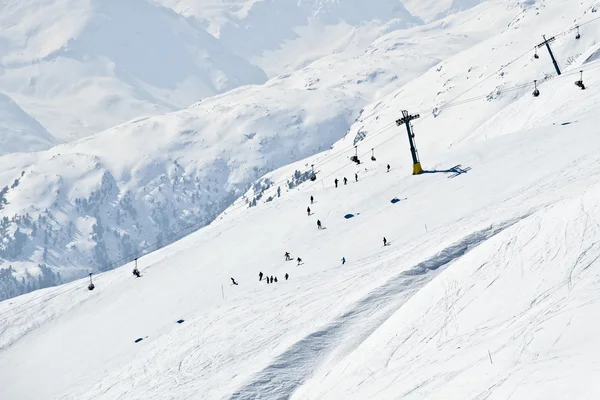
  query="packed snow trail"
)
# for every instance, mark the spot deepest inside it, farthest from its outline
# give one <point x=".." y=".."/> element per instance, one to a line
<point x="291" y="369"/>
<point x="514" y="319"/>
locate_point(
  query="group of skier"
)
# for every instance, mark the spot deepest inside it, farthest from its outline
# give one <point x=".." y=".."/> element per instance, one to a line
<point x="288" y="257"/>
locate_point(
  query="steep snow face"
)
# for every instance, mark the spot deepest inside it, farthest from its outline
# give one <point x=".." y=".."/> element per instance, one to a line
<point x="93" y="204"/>
<point x="80" y="66"/>
<point x="19" y="131"/>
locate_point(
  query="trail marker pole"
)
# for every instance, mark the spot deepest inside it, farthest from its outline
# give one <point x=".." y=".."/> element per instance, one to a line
<point x="222" y="292"/>
<point x="405" y="120"/>
<point x="546" y="43"/>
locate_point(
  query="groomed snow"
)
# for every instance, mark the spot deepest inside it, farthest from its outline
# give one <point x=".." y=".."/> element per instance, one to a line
<point x="276" y="340"/>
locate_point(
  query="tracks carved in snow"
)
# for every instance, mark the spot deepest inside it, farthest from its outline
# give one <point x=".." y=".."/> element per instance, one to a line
<point x="293" y="367"/>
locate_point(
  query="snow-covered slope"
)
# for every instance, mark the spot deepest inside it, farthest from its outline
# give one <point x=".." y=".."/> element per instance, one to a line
<point x="418" y="315"/>
<point x="485" y="291"/>
<point x="92" y="204"/>
<point x="19" y="131"/>
<point x="80" y="66"/>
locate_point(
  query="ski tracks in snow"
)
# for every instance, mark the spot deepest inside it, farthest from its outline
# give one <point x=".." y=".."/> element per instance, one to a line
<point x="292" y="368"/>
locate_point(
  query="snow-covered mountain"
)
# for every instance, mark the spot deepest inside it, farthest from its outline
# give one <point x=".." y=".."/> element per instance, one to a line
<point x="486" y="287"/>
<point x="95" y="203"/>
<point x="81" y="66"/>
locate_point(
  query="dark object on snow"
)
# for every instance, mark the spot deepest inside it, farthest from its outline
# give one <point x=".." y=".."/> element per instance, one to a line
<point x="319" y="226"/>
<point x="395" y="200"/>
<point x="308" y="211"/>
<point x="260" y="275"/>
<point x="267" y="280"/>
<point x="180" y="321"/>
<point x="373" y="155"/>
<point x="336" y="182"/>
<point x="356" y="177"/>
<point x="343" y="260"/>
<point x="91" y="285"/>
<point x="286" y="276"/>
<point x="384" y="241"/>
<point x="345" y="180"/>
<point x="275" y="279"/>
<point x="287" y="256"/>
<point x="138" y="340"/>
<point x="312" y="200"/>
<point x="355" y="159"/>
<point x="536" y="92"/>
<point x="579" y="83"/>
<point x="388" y="168"/>
<point x="233" y="281"/>
<point x="136" y="272"/>
<point x="348" y="216"/>
<point x="299" y="260"/>
<point x="271" y="278"/>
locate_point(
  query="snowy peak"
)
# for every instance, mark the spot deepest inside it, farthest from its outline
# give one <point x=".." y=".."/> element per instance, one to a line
<point x="80" y="66"/>
<point x="20" y="132"/>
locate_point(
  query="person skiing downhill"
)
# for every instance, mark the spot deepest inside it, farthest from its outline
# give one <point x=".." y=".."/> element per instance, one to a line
<point x="286" y="276"/>
<point x="308" y="211"/>
<point x="319" y="226"/>
<point x="384" y="241"/>
<point x="271" y="278"/>
<point x="312" y="200"/>
<point x="275" y="279"/>
<point x="287" y="256"/>
<point x="343" y="260"/>
<point x="388" y="168"/>
<point x="299" y="261"/>
<point x="260" y="275"/>
<point x="336" y="181"/>
<point x="356" y="177"/>
<point x="234" y="282"/>
<point x="345" y="181"/>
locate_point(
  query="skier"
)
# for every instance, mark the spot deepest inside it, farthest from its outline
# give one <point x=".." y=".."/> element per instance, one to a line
<point x="308" y="211"/>
<point x="299" y="261"/>
<point x="345" y="181"/>
<point x="267" y="279"/>
<point x="260" y="275"/>
<point x="388" y="168"/>
<point x="343" y="260"/>
<point x="275" y="279"/>
<point x="136" y="272"/>
<point x="319" y="224"/>
<point x="287" y="256"/>
<point x="384" y="241"/>
<point x="286" y="276"/>
<point x="336" y="181"/>
<point x="356" y="177"/>
<point x="234" y="282"/>
<point x="312" y="200"/>
<point x="271" y="278"/>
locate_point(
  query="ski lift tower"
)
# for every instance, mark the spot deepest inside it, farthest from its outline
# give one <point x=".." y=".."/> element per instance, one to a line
<point x="405" y="120"/>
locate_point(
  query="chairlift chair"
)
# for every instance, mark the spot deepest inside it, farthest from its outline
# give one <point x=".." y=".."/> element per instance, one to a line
<point x="313" y="176"/>
<point x="373" y="155"/>
<point x="535" y="55"/>
<point x="91" y="285"/>
<point x="579" y="83"/>
<point x="578" y="35"/>
<point x="536" y="92"/>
